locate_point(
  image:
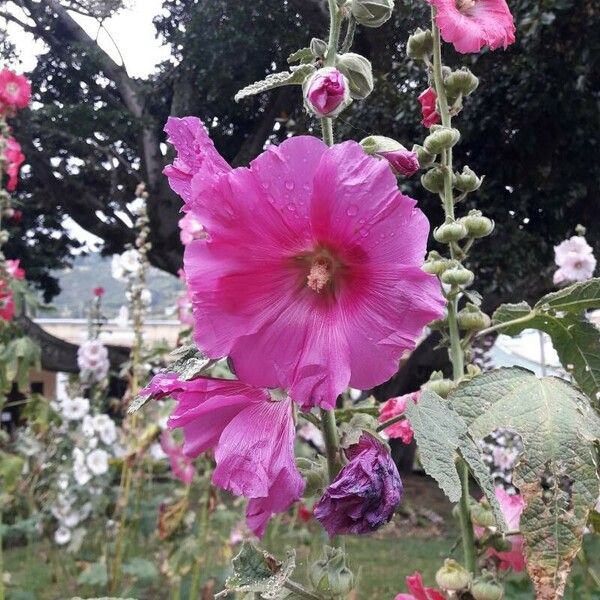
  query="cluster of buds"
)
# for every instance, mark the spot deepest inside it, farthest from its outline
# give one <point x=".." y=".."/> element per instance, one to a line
<point x="330" y="576"/>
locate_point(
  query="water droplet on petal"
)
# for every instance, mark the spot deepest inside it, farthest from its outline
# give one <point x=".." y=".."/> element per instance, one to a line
<point x="289" y="185"/>
<point x="352" y="210"/>
<point x="291" y="207"/>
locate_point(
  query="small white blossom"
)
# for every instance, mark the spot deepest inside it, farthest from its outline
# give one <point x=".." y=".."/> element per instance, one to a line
<point x="575" y="260"/>
<point x="92" y="360"/>
<point x="74" y="409"/>
<point x="97" y="461"/>
<point x="125" y="265"/>
<point x="106" y="429"/>
<point x="62" y="536"/>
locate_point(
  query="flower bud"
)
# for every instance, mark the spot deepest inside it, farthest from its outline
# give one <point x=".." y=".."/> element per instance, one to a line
<point x="461" y="82"/>
<point x="484" y="589"/>
<point x="482" y="516"/>
<point x="467" y="181"/>
<point x="471" y="318"/>
<point x="441" y="138"/>
<point x="477" y="225"/>
<point x="402" y="161"/>
<point x="501" y="544"/>
<point x="314" y="473"/>
<point x="420" y="44"/>
<point x="437" y="384"/>
<point x="433" y="180"/>
<point x="458" y="275"/>
<point x="330" y="576"/>
<point x="326" y="93"/>
<point x="435" y="264"/>
<point x="425" y="159"/>
<point x="318" y="48"/>
<point x="450" y="232"/>
<point x="372" y="13"/>
<point x="359" y="73"/>
<point x="453" y="576"/>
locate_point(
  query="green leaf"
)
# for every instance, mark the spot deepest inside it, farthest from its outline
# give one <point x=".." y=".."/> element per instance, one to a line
<point x="304" y="56"/>
<point x="94" y="575"/>
<point x="11" y="467"/>
<point x="140" y="568"/>
<point x="575" y="298"/>
<point x="256" y="571"/>
<point x="506" y="313"/>
<point x="442" y="435"/>
<point x="295" y="76"/>
<point x="559" y="429"/>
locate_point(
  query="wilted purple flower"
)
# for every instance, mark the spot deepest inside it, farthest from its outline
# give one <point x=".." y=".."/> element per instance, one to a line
<point x="365" y="493"/>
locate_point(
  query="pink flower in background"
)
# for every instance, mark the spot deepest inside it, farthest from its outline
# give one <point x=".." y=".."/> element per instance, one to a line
<point x="7" y="302"/>
<point x="196" y="156"/>
<point x="15" y="90"/>
<point x="418" y="591"/>
<point x="14" y="269"/>
<point x="472" y="24"/>
<point x="311" y="276"/>
<point x="190" y="228"/>
<point x="428" y="100"/>
<point x="181" y="465"/>
<point x="512" y="507"/>
<point x="98" y="292"/>
<point x="575" y="260"/>
<point x="252" y="435"/>
<point x="14" y="158"/>
<point x="395" y="407"/>
<point x="327" y="92"/>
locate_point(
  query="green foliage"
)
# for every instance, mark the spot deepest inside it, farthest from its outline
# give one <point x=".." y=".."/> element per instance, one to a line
<point x="296" y="76"/>
<point x="18" y="355"/>
<point x="557" y="473"/>
<point x="11" y="467"/>
<point x="94" y="575"/>
<point x="140" y="569"/>
<point x="442" y="437"/>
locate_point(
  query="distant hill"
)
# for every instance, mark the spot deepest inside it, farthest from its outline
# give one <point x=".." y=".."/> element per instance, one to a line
<point x="93" y="270"/>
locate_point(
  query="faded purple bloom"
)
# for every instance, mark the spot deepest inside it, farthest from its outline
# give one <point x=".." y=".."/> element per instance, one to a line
<point x="365" y="493"/>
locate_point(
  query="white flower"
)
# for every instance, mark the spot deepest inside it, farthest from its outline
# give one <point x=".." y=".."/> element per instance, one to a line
<point x="62" y="536"/>
<point x="87" y="426"/>
<point x="575" y="260"/>
<point x="106" y="429"/>
<point x="137" y="207"/>
<point x="122" y="318"/>
<point x="92" y="360"/>
<point x="74" y="409"/>
<point x="312" y="434"/>
<point x="97" y="461"/>
<point x="81" y="474"/>
<point x="126" y="264"/>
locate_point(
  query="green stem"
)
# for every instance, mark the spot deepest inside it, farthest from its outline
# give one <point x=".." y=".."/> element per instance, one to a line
<point x="327" y="130"/>
<point x="202" y="538"/>
<point x="331" y="441"/>
<point x="1" y="561"/>
<point x="391" y="422"/>
<point x="466" y="526"/>
<point x="335" y="25"/>
<point x="500" y="326"/>
<point x="349" y="37"/>
<point x="300" y="591"/>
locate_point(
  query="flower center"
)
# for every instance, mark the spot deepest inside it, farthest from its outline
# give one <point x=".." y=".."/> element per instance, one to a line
<point x="12" y="88"/>
<point x="464" y="6"/>
<point x="320" y="274"/>
<point x="320" y="268"/>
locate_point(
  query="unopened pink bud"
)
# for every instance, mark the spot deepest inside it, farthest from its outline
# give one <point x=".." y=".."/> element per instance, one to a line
<point x="327" y="93"/>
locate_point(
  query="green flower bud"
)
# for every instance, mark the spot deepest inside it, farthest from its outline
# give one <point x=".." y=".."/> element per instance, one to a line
<point x="435" y="264"/>
<point x="453" y="576"/>
<point x="482" y="516"/>
<point x="441" y="138"/>
<point x="471" y="318"/>
<point x="315" y="475"/>
<point x="501" y="544"/>
<point x="318" y="47"/>
<point x="467" y="181"/>
<point x="484" y="589"/>
<point x="433" y="180"/>
<point x="420" y="44"/>
<point x="437" y="384"/>
<point x="372" y="13"/>
<point x="461" y="82"/>
<point x="425" y="159"/>
<point x="330" y="576"/>
<point x="358" y="72"/>
<point x="458" y="275"/>
<point x="477" y="225"/>
<point x="450" y="232"/>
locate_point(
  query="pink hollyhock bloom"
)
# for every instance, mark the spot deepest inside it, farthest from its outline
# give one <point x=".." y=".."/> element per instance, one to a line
<point x="190" y="228"/>
<point x="428" y="100"/>
<point x="181" y="465"/>
<point x="14" y="158"/>
<point x="14" y="269"/>
<point x="403" y="161"/>
<point x="196" y="156"/>
<point x="252" y="435"/>
<point x="472" y="24"/>
<point x="15" y="90"/>
<point x="418" y="591"/>
<point x="7" y="302"/>
<point x="327" y="92"/>
<point x="99" y="292"/>
<point x="395" y="407"/>
<point x="575" y="260"/>
<point x="310" y="278"/>
<point x="512" y="507"/>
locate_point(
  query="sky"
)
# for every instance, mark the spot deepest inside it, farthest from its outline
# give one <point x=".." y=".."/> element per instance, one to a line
<point x="133" y="34"/>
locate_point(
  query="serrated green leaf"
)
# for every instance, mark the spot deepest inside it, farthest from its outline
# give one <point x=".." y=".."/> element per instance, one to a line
<point x="441" y="434"/>
<point x="559" y="429"/>
<point x="94" y="575"/>
<point x="295" y="76"/>
<point x="578" y="297"/>
<point x="304" y="56"/>
<point x="511" y="312"/>
<point x="256" y="571"/>
<point x="140" y="568"/>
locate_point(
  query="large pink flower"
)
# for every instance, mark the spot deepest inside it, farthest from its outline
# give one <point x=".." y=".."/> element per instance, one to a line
<point x="196" y="156"/>
<point x="252" y="435"/>
<point x="310" y="278"/>
<point x="15" y="90"/>
<point x="472" y="24"/>
<point x="14" y="158"/>
<point x="418" y="591"/>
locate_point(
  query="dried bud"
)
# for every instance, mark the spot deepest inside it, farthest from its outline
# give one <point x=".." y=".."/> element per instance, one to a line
<point x="372" y="13"/>
<point x="458" y="275"/>
<point x="435" y="264"/>
<point x="485" y="589"/>
<point x="471" y="318"/>
<point x="477" y="225"/>
<point x="437" y="384"/>
<point x="467" y="181"/>
<point x="461" y="82"/>
<point x="326" y="92"/>
<point x="358" y="72"/>
<point x="425" y="159"/>
<point x="452" y="231"/>
<point x="330" y="576"/>
<point x="453" y="576"/>
<point x="433" y="180"/>
<point x="402" y="161"/>
<point x="441" y="138"/>
<point x="420" y="44"/>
